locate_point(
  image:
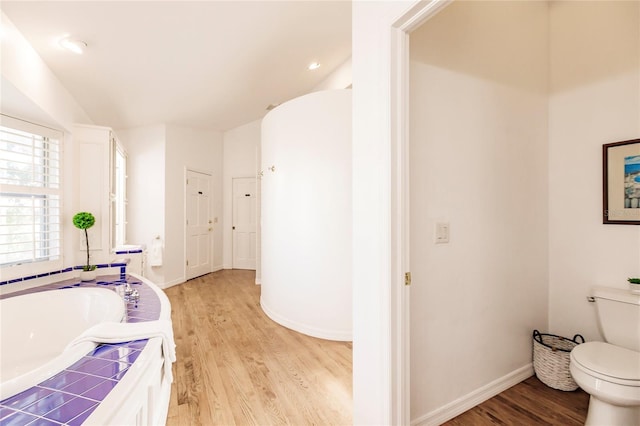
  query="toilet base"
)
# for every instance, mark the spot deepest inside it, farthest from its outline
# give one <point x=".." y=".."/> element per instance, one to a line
<point x="602" y="413"/>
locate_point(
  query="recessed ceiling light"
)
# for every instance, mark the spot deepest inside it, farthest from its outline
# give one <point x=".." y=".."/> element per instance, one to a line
<point x="314" y="66"/>
<point x="72" y="45"/>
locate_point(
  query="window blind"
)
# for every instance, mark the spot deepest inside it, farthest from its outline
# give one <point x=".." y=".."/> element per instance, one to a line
<point x="30" y="193"/>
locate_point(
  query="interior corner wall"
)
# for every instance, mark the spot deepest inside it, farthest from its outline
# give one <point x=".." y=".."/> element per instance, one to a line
<point x="28" y="73"/>
<point x="373" y="351"/>
<point x="340" y="78"/>
<point x="594" y="100"/>
<point x="217" y="166"/>
<point x="194" y="149"/>
<point x="478" y="162"/>
<point x="145" y="148"/>
<point x="32" y="92"/>
<point x="241" y="158"/>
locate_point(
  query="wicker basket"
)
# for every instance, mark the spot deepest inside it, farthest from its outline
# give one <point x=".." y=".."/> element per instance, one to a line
<point x="551" y="360"/>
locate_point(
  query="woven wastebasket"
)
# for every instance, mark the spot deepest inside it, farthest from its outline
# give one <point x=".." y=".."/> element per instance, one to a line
<point x="551" y="359"/>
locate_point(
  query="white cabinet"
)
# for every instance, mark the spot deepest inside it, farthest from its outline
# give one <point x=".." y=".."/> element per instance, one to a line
<point x="94" y="150"/>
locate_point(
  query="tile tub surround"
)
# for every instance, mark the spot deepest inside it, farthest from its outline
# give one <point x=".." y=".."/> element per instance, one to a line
<point x="72" y="395"/>
<point x="133" y="251"/>
<point x="121" y="264"/>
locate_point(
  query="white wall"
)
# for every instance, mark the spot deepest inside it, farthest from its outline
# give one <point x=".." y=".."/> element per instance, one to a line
<point x="372" y="70"/>
<point x="27" y="72"/>
<point x="340" y="78"/>
<point x="306" y="215"/>
<point x="158" y="158"/>
<point x="242" y="152"/>
<point x="371" y="203"/>
<point x="594" y="99"/>
<point x="32" y="92"/>
<point x="241" y="158"/>
<point x="478" y="161"/>
<point x="145" y="148"/>
<point x="197" y="150"/>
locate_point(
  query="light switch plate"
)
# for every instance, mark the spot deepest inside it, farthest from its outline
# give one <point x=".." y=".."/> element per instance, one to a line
<point x="442" y="233"/>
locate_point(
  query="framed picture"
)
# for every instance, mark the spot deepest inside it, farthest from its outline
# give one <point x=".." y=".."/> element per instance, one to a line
<point x="621" y="183"/>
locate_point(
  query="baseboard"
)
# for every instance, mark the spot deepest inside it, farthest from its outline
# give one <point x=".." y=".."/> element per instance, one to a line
<point x="217" y="268"/>
<point x="258" y="281"/>
<point x="172" y="283"/>
<point x="460" y="405"/>
<point x="339" y="335"/>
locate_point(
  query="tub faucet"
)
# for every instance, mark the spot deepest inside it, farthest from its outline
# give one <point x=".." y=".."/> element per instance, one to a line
<point x="130" y="294"/>
<point x="127" y="290"/>
<point x="127" y="293"/>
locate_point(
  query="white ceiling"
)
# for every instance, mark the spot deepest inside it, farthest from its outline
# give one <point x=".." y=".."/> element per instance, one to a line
<point x="203" y="64"/>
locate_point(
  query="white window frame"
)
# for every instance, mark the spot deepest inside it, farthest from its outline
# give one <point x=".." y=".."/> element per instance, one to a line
<point x="117" y="197"/>
<point x="31" y="268"/>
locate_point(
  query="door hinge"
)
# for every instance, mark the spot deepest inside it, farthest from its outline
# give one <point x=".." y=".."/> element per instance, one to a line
<point x="407" y="278"/>
<point x="187" y="262"/>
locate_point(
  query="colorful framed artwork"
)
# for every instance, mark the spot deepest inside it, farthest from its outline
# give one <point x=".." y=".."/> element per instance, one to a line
<point x="621" y="183"/>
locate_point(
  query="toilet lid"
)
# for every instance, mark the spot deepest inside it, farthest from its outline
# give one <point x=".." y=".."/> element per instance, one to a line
<point x="608" y="360"/>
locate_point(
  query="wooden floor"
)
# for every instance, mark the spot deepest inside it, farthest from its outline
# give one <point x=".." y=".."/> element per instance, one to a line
<point x="236" y="366"/>
<point x="528" y="403"/>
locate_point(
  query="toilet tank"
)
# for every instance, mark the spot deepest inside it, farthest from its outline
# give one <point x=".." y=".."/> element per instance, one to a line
<point x="618" y="316"/>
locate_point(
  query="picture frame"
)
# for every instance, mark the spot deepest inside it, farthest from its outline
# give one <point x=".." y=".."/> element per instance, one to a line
<point x="621" y="183"/>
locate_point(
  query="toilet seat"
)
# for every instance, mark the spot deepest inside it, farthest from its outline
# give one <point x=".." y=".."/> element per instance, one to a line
<point x="608" y="362"/>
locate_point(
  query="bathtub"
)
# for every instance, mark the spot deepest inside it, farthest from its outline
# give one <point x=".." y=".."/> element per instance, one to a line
<point x="111" y="384"/>
<point x="37" y="327"/>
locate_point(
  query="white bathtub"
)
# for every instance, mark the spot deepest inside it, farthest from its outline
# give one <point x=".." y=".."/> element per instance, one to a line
<point x="36" y="328"/>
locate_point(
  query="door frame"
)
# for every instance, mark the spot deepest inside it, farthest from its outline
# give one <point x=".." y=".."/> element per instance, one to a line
<point x="188" y="169"/>
<point x="414" y="17"/>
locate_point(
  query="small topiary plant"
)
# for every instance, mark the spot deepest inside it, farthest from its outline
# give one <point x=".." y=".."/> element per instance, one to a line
<point x="84" y="221"/>
<point x="634" y="280"/>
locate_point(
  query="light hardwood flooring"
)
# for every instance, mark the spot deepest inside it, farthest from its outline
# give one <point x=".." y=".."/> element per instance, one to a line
<point x="236" y="366"/>
<point x="530" y="402"/>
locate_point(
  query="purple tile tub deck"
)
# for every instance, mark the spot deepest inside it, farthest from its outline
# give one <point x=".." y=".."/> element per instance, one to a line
<point x="69" y="397"/>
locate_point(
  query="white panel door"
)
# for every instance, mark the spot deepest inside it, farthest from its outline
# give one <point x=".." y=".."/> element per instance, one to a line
<point x="244" y="223"/>
<point x="199" y="225"/>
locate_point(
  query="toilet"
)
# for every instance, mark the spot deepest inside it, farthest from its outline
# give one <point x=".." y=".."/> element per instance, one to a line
<point x="610" y="372"/>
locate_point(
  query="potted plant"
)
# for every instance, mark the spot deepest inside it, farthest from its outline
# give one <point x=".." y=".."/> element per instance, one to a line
<point x="84" y="221"/>
<point x="634" y="285"/>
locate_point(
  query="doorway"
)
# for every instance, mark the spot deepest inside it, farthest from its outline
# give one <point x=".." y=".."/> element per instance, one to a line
<point x="477" y="136"/>
<point x="199" y="225"/>
<point x="244" y="223"/>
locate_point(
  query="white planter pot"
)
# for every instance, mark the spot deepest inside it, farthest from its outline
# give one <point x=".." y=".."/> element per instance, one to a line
<point x="635" y="288"/>
<point x="87" y="275"/>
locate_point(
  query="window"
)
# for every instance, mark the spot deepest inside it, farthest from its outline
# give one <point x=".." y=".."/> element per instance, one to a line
<point x="118" y="195"/>
<point x="30" y="194"/>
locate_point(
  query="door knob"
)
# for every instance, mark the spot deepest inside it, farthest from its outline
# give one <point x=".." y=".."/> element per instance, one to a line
<point x="210" y="229"/>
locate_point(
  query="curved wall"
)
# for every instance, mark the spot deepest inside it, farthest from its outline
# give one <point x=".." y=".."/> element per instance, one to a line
<point x="306" y="214"/>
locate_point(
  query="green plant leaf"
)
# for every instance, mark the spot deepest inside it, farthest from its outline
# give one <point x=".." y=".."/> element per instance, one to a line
<point x="83" y="220"/>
